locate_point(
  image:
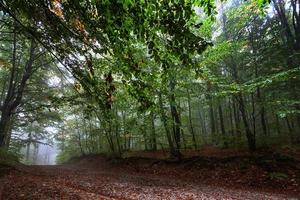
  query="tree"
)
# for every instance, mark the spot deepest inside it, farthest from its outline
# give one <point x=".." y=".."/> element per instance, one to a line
<point x="18" y="77"/>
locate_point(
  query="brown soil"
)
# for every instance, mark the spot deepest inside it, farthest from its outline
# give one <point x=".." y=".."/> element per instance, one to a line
<point x="209" y="173"/>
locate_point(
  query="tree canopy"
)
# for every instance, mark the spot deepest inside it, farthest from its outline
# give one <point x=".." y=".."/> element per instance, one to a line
<point x="150" y="74"/>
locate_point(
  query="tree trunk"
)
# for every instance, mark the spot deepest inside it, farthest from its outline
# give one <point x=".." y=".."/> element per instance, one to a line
<point x="280" y="9"/>
<point x="108" y="134"/>
<point x="118" y="139"/>
<point x="222" y="126"/>
<point x="144" y="133"/>
<point x="290" y="129"/>
<point x="4" y="127"/>
<point x="173" y="150"/>
<point x="183" y="139"/>
<point x="250" y="136"/>
<point x="237" y="119"/>
<point x="14" y="94"/>
<point x="230" y="116"/>
<point x="253" y="113"/>
<point x="176" y="119"/>
<point x="28" y="145"/>
<point x="277" y="124"/>
<point x="80" y="142"/>
<point x="211" y="114"/>
<point x="202" y="121"/>
<point x="262" y="112"/>
<point x="190" y="120"/>
<point x="153" y="132"/>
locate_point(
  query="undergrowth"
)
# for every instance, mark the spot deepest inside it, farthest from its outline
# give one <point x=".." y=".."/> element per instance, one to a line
<point x="8" y="160"/>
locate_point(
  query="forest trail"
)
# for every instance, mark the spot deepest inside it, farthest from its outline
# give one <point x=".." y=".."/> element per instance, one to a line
<point x="76" y="182"/>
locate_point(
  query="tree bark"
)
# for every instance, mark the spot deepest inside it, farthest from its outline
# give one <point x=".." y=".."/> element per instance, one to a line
<point x="211" y="114"/>
<point x="153" y="132"/>
<point x="250" y="136"/>
<point x="222" y="126"/>
<point x="173" y="150"/>
<point x="190" y="120"/>
<point x="175" y="117"/>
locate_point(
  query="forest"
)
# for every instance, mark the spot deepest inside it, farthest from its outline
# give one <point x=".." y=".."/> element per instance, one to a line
<point x="149" y="99"/>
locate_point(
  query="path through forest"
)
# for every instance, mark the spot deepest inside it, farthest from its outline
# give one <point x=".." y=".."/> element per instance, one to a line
<point x="77" y="182"/>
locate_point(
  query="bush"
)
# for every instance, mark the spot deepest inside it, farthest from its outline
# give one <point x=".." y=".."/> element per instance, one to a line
<point x="8" y="158"/>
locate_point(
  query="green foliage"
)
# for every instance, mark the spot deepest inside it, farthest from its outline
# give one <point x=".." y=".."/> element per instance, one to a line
<point x="8" y="158"/>
<point x="66" y="155"/>
<point x="156" y="75"/>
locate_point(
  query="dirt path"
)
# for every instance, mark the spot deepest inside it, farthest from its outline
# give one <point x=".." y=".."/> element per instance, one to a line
<point x="70" y="182"/>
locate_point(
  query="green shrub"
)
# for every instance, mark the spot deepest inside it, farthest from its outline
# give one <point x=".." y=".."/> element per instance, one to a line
<point x="8" y="158"/>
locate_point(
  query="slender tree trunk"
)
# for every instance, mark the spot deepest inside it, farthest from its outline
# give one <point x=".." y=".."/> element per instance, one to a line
<point x="190" y="120"/>
<point x="237" y="119"/>
<point x="183" y="139"/>
<point x="129" y="143"/>
<point x="107" y="128"/>
<point x="109" y="137"/>
<point x="80" y="141"/>
<point x="250" y="136"/>
<point x="175" y="116"/>
<point x="86" y="138"/>
<point x="173" y="150"/>
<point x="144" y="133"/>
<point x="212" y="120"/>
<point x="262" y="112"/>
<point x="278" y="125"/>
<point x="290" y="129"/>
<point x="153" y="132"/>
<point x="230" y="117"/>
<point x="253" y="114"/>
<point x="118" y="138"/>
<point x="117" y="132"/>
<point x="203" y="125"/>
<point x="280" y="9"/>
<point x="222" y="126"/>
<point x="176" y="122"/>
<point x="124" y="130"/>
<point x="28" y="146"/>
<point x="35" y="152"/>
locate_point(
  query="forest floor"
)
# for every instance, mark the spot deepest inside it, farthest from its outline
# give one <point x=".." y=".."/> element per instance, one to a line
<point x="209" y="173"/>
